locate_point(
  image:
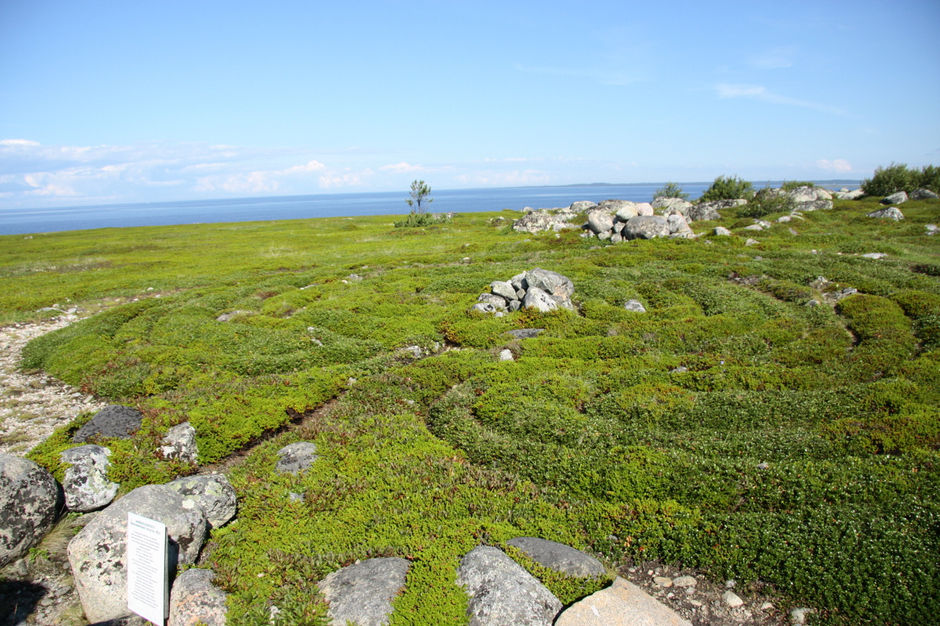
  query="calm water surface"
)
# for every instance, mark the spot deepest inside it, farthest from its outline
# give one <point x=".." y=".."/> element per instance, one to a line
<point x="21" y="221"/>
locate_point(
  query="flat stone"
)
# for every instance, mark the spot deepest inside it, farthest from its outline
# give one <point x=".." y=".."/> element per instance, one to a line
<point x="646" y="227"/>
<point x="732" y="599"/>
<point x="525" y="333"/>
<point x="296" y="457"/>
<point x="634" y="305"/>
<point x="721" y="231"/>
<point x="621" y="604"/>
<point x="684" y="581"/>
<point x="559" y="557"/>
<point x="112" y="421"/>
<point x="502" y="593"/>
<point x="362" y="593"/>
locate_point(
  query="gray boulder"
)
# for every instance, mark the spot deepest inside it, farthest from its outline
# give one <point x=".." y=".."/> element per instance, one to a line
<point x="553" y="283"/>
<point x="709" y="210"/>
<point x="194" y="600"/>
<point x="213" y="493"/>
<point x="525" y="333"/>
<point x="924" y="194"/>
<point x="97" y="553"/>
<point x="635" y="305"/>
<point x="296" y="457"/>
<point x="539" y="300"/>
<point x="721" y="231"/>
<point x="646" y="227"/>
<point x="855" y="194"/>
<point x="484" y="307"/>
<point x="362" y="593"/>
<point x="86" y="483"/>
<point x="504" y="289"/>
<point x="600" y="221"/>
<point x="559" y="557"/>
<point x="498" y="302"/>
<point x="644" y="209"/>
<point x="581" y="205"/>
<point x="502" y="593"/>
<point x="666" y="205"/>
<point x="891" y="213"/>
<point x="112" y="421"/>
<point x="29" y="502"/>
<point x="180" y="443"/>
<point x="895" y="198"/>
<point x="678" y="226"/>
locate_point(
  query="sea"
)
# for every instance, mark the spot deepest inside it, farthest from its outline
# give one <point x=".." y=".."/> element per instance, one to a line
<point x="44" y="220"/>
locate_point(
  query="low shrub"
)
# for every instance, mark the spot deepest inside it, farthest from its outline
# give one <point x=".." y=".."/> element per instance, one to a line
<point x="728" y="188"/>
<point x="899" y="177"/>
<point x="766" y="202"/>
<point x="670" y="190"/>
<point x="417" y="220"/>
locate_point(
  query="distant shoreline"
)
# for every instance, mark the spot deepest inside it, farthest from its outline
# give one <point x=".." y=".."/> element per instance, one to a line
<point x="20" y="221"/>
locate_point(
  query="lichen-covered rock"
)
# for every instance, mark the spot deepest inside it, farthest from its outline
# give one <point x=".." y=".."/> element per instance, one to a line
<point x="113" y="420"/>
<point x="180" y="443"/>
<point x="503" y="288"/>
<point x="559" y="557"/>
<point x="599" y="221"/>
<point x="498" y="302"/>
<point x="213" y="493"/>
<point x="539" y="300"/>
<point x="709" y="210"/>
<point x="86" y="483"/>
<point x="502" y="593"/>
<point x="546" y="220"/>
<point x="296" y="457"/>
<point x="891" y="213"/>
<point x="97" y="553"/>
<point x="362" y="593"/>
<point x="666" y="205"/>
<point x="895" y="198"/>
<point x="195" y="601"/>
<point x="924" y="194"/>
<point x="553" y="283"/>
<point x="646" y="227"/>
<point x="634" y="305"/>
<point x="29" y="502"/>
<point x="855" y="194"/>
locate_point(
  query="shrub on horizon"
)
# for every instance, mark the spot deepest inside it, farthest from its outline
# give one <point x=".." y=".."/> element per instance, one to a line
<point x="671" y="190"/>
<point x="899" y="177"/>
<point x="728" y="188"/>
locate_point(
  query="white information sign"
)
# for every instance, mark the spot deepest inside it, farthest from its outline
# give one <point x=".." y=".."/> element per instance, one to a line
<point x="147" y="568"/>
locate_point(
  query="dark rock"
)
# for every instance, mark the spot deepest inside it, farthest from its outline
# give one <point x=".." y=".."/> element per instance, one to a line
<point x="362" y="593"/>
<point x="29" y="502"/>
<point x="924" y="194"/>
<point x="112" y="421"/>
<point x="559" y="557"/>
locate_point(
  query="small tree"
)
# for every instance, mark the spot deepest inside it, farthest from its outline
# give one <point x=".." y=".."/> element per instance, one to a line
<point x="670" y="190"/>
<point x="728" y="188"/>
<point x="420" y="192"/>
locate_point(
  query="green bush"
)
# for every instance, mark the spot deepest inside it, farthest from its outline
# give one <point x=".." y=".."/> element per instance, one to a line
<point x="790" y="185"/>
<point x="417" y="220"/>
<point x="728" y="188"/>
<point x="898" y="177"/>
<point x="670" y="190"/>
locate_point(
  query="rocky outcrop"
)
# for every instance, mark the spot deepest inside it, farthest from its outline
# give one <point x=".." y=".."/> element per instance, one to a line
<point x="29" y="503"/>
<point x="195" y="601"/>
<point x="621" y="604"/>
<point x="362" y="593"/>
<point x="559" y="557"/>
<point x="502" y="592"/>
<point x="667" y="205"/>
<point x="112" y="421"/>
<point x="213" y="493"/>
<point x="924" y="194"/>
<point x="97" y="554"/>
<point x="86" y="483"/>
<point x="541" y="220"/>
<point x="538" y="289"/>
<point x="180" y="443"/>
<point x="891" y="213"/>
<point x="296" y="457"/>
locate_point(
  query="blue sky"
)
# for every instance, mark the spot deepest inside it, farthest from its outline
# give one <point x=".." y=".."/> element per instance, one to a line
<point x="106" y="102"/>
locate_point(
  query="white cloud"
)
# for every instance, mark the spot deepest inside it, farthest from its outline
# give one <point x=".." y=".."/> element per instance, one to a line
<point x="344" y="179"/>
<point x="835" y="165"/>
<point x="18" y="142"/>
<point x="762" y="94"/>
<point x="402" y="168"/>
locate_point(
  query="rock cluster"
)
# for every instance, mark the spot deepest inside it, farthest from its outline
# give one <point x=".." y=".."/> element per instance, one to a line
<point x="803" y="198"/>
<point x="617" y="220"/>
<point x="538" y="289"/>
<point x="541" y="220"/>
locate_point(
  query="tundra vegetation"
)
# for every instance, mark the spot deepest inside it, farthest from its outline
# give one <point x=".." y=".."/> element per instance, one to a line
<point x="731" y="427"/>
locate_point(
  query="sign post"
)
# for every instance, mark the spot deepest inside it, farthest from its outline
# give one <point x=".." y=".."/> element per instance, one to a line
<point x="147" y="568"/>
